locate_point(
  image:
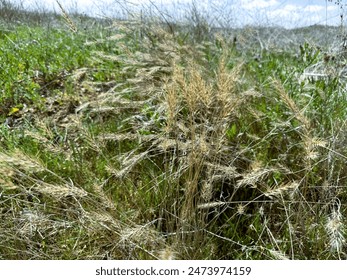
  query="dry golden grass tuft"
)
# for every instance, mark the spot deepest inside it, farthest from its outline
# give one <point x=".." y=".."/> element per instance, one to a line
<point x="190" y="113"/>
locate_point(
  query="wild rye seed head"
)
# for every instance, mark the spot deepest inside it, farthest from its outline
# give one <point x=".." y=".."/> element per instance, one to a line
<point x="336" y="229"/>
<point x="67" y="18"/>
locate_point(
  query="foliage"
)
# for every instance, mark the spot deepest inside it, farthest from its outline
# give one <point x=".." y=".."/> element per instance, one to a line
<point x="138" y="144"/>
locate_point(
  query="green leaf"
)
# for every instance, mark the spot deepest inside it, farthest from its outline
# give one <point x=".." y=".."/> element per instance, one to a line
<point x="232" y="131"/>
<point x="13" y="111"/>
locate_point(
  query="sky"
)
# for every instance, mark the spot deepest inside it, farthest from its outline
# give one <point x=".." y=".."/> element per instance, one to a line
<point x="286" y="13"/>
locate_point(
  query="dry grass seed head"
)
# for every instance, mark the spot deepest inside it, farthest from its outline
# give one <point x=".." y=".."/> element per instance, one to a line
<point x="18" y="160"/>
<point x="280" y="191"/>
<point x="311" y="146"/>
<point x="207" y="191"/>
<point x="167" y="254"/>
<point x="105" y="199"/>
<point x="219" y="172"/>
<point x="173" y="106"/>
<point x="336" y="229"/>
<point x="98" y="220"/>
<point x="142" y="236"/>
<point x="241" y="208"/>
<point x="67" y="18"/>
<point x="255" y="176"/>
<point x="31" y="222"/>
<point x="129" y="162"/>
<point x="6" y="173"/>
<point x="227" y="82"/>
<point x="290" y="103"/>
<point x="278" y="255"/>
<point x="209" y="205"/>
<point x="190" y="85"/>
<point x="60" y="191"/>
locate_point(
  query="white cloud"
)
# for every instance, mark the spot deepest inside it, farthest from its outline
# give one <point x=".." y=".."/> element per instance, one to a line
<point x="258" y="4"/>
<point x="332" y="8"/>
<point x="287" y="10"/>
<point x="313" y="8"/>
<point x="292" y="15"/>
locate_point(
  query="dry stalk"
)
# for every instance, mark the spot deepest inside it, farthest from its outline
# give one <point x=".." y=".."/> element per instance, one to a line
<point x="69" y="22"/>
<point x="290" y="103"/>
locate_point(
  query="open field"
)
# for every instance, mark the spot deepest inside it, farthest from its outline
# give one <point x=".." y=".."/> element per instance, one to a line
<point x="144" y="139"/>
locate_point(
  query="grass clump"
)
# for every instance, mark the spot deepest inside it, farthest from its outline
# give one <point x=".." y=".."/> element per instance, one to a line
<point x="153" y="148"/>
